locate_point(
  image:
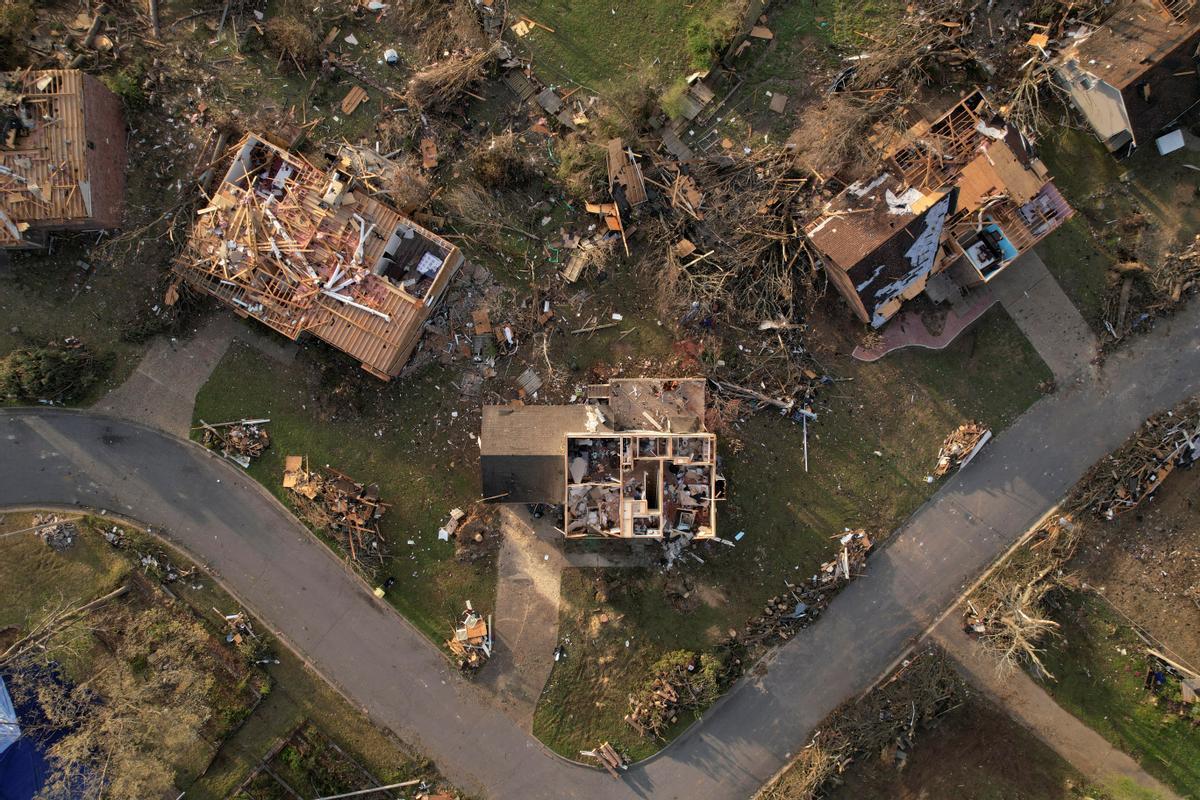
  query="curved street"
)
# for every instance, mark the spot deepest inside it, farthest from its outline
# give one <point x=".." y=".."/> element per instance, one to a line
<point x="228" y="522"/>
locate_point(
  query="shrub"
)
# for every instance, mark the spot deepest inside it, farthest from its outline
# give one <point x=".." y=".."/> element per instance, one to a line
<point x="706" y="36"/>
<point x="16" y="20"/>
<point x="499" y="164"/>
<point x="126" y="83"/>
<point x="672" y="99"/>
<point x="56" y="374"/>
<point x="293" y="37"/>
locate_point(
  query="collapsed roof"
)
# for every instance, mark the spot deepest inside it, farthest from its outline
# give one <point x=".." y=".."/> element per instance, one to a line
<point x="308" y="250"/>
<point x="941" y="183"/>
<point x="62" y="155"/>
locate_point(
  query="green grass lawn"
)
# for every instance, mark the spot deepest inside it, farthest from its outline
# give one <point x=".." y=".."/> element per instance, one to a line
<point x="1099" y="670"/>
<point x="36" y="577"/>
<point x="901" y="407"/>
<point x="403" y="437"/>
<point x="600" y="43"/>
<point x="47" y="297"/>
<point x="1106" y="195"/>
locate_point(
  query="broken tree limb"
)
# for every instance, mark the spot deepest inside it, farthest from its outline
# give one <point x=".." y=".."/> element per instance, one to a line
<point x="593" y="328"/>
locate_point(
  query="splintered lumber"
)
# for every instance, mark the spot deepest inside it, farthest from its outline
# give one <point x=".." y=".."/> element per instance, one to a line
<point x="348" y="510"/>
<point x="1133" y="473"/>
<point x="471" y="641"/>
<point x="609" y="758"/>
<point x="961" y="446"/>
<point x="239" y="441"/>
<point x="797" y="608"/>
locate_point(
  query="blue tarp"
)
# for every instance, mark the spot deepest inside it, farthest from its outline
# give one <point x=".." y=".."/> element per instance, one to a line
<point x="10" y="731"/>
<point x="23" y="768"/>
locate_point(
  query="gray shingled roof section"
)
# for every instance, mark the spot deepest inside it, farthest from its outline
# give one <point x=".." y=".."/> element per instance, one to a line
<point x="523" y="479"/>
<point x="530" y="430"/>
<point x="907" y="255"/>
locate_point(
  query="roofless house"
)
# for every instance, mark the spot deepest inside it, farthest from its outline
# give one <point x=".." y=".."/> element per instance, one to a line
<point x="307" y="250"/>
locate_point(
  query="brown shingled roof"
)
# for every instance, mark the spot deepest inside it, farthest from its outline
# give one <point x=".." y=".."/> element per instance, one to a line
<point x="1135" y="37"/>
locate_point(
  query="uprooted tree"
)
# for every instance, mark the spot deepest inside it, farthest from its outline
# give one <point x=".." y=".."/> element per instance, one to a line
<point x="52" y="373"/>
<point x="1007" y="611"/>
<point x="441" y="85"/>
<point x="680" y="682"/>
<point x="885" y="724"/>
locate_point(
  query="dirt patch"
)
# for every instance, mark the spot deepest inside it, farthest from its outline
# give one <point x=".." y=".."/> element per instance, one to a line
<point x="710" y="595"/>
<point x="1148" y="564"/>
<point x="975" y="751"/>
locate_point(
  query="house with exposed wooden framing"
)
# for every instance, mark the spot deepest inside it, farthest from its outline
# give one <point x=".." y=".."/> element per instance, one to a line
<point x="636" y="461"/>
<point x="309" y="250"/>
<point x="1137" y="75"/>
<point x="62" y="156"/>
<point x="963" y="194"/>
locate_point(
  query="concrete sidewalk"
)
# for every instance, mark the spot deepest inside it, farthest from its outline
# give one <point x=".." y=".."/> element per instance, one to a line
<point x="1047" y="317"/>
<point x="1030" y="704"/>
<point x="528" y="596"/>
<point x="161" y="392"/>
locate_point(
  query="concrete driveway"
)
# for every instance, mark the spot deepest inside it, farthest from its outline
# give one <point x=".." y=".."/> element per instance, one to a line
<point x="225" y="520"/>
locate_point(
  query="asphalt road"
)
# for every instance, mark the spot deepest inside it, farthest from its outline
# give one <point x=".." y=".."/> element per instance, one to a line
<point x="293" y="583"/>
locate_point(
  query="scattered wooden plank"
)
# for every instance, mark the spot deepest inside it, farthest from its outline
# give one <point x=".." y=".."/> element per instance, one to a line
<point x="353" y="99"/>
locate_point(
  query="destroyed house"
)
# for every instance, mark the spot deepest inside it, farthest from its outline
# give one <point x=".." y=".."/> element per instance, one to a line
<point x="1138" y="75"/>
<point x="306" y="250"/>
<point x="62" y="156"/>
<point x="962" y="192"/>
<point x="634" y="462"/>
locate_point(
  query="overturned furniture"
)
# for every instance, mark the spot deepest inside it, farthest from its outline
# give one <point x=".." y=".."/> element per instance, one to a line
<point x="1135" y="76"/>
<point x="62" y="156"/>
<point x="635" y="461"/>
<point x="963" y="194"/>
<point x="309" y="251"/>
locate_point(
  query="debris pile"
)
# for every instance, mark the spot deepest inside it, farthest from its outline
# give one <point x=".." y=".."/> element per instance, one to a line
<point x="346" y="509"/>
<point x="609" y="758"/>
<point x="1129" y="476"/>
<point x="680" y="682"/>
<point x="155" y="560"/>
<point x="476" y="532"/>
<point x="884" y="724"/>
<point x="302" y="250"/>
<point x="240" y="441"/>
<point x="730" y="234"/>
<point x="961" y="446"/>
<point x="472" y="640"/>
<point x="800" y="605"/>
<point x="777" y="373"/>
<point x="1005" y="611"/>
<point x="58" y="533"/>
<point x="439" y="86"/>
<point x="238" y="627"/>
<point x="1141" y="291"/>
